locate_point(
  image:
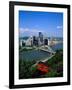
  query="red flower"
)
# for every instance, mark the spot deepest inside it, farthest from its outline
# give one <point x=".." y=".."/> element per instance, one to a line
<point x="42" y="67"/>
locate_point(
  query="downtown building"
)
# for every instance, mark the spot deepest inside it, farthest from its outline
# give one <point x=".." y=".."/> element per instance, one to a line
<point x="35" y="41"/>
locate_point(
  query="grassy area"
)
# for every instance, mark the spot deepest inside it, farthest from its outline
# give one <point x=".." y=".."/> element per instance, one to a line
<point x="26" y="48"/>
<point x="55" y="64"/>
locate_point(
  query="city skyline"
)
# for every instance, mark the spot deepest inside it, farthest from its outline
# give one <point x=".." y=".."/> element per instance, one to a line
<point x="33" y="22"/>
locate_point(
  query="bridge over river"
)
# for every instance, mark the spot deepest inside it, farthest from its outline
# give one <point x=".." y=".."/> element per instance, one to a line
<point x="47" y="49"/>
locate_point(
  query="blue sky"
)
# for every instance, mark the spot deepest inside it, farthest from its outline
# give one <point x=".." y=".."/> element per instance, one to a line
<point x="32" y="22"/>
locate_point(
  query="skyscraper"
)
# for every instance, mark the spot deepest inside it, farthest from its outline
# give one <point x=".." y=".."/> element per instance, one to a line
<point x="45" y="41"/>
<point x="35" y="40"/>
<point x="41" y="37"/>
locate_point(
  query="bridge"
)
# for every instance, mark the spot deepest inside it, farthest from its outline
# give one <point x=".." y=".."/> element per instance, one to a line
<point x="47" y="49"/>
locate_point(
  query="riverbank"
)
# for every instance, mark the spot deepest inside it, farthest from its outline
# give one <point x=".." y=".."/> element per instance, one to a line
<point x="26" y="49"/>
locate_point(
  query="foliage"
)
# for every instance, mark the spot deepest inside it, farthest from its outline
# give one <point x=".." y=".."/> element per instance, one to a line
<point x="55" y="63"/>
<point x="24" y="69"/>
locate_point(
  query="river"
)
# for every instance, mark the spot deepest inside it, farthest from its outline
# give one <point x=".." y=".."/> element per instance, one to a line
<point x="38" y="54"/>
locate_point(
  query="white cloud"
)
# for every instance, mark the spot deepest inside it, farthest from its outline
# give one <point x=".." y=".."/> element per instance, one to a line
<point x="22" y="30"/>
<point x="59" y="27"/>
<point x="27" y="31"/>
